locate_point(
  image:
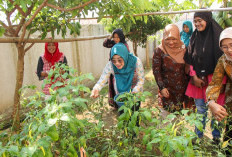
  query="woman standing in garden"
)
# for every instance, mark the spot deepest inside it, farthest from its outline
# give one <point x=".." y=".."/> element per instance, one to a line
<point x="186" y="33"/>
<point x="223" y="68"/>
<point x="51" y="56"/>
<point x="169" y="70"/>
<point x="118" y="37"/>
<point x="127" y="71"/>
<point x="203" y="54"/>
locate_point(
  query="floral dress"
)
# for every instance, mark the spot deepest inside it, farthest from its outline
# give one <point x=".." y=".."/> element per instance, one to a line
<point x="224" y="67"/>
<point x="171" y="75"/>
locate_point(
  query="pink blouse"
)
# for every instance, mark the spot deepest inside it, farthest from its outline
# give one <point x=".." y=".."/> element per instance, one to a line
<point x="200" y="93"/>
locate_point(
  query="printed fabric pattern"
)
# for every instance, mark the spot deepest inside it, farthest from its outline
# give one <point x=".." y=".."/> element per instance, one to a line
<point x="224" y="67"/>
<point x="47" y="66"/>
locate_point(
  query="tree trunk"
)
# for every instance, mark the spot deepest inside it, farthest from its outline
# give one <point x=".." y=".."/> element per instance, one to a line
<point x="147" y="55"/>
<point x="135" y="48"/>
<point x="19" y="83"/>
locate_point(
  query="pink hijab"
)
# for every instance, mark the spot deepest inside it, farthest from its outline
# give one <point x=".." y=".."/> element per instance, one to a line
<point x="177" y="52"/>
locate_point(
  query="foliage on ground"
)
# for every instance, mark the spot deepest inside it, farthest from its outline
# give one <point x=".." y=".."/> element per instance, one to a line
<point x="52" y="127"/>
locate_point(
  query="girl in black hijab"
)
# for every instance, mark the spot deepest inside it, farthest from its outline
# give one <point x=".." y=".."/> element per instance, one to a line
<point x="202" y="56"/>
<point x="118" y="37"/>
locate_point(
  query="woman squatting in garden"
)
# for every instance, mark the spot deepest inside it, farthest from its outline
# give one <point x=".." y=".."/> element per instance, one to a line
<point x="127" y="71"/>
<point x="118" y="37"/>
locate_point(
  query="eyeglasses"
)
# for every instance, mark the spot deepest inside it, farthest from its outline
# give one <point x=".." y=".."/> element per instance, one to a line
<point x="225" y="48"/>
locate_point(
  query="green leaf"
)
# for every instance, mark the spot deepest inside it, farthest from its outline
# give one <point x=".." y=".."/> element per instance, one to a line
<point x="24" y="5"/>
<point x="156" y="140"/>
<point x="44" y="34"/>
<point x="65" y="117"/>
<point x="147" y="115"/>
<point x="52" y="132"/>
<point x="14" y="150"/>
<point x="2" y="31"/>
<point x="45" y="142"/>
<point x="145" y="139"/>
<point x="57" y="84"/>
<point x="149" y="147"/>
<point x="184" y="112"/>
<point x="52" y="121"/>
<point x="72" y="151"/>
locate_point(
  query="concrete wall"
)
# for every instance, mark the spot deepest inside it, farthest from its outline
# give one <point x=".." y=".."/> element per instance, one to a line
<point x="93" y="57"/>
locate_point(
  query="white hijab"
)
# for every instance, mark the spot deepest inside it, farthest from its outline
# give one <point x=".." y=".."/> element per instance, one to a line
<point x="225" y="34"/>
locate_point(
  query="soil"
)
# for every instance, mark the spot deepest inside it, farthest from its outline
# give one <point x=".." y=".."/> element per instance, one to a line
<point x="110" y="113"/>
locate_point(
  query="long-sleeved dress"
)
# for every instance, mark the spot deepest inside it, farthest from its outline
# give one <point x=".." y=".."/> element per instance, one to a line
<point x="171" y="75"/>
<point x="108" y="43"/>
<point x="223" y="68"/>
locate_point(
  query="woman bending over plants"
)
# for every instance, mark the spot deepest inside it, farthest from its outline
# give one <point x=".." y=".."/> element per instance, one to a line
<point x="127" y="71"/>
<point x="223" y="68"/>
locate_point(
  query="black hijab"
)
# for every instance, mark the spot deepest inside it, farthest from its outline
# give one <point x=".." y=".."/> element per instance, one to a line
<point x="204" y="51"/>
<point x="120" y="34"/>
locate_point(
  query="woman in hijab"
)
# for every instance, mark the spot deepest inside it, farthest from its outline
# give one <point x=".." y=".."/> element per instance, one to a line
<point x="223" y="68"/>
<point x="203" y="54"/>
<point x="186" y="32"/>
<point x="118" y="37"/>
<point x="127" y="71"/>
<point x="169" y="70"/>
<point x="51" y="56"/>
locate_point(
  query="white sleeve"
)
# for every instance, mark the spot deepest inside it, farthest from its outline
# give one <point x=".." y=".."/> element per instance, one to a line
<point x="140" y="79"/>
<point x="104" y="76"/>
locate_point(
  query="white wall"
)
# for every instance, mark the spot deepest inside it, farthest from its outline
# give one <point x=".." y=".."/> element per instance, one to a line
<point x="93" y="57"/>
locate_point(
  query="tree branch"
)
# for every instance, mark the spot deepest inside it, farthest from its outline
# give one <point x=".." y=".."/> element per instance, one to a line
<point x="28" y="48"/>
<point x="18" y="8"/>
<point x="30" y="20"/>
<point x="8" y="15"/>
<point x="70" y="9"/>
<point x="36" y="40"/>
<point x="23" y="19"/>
<point x="3" y="25"/>
<point x="9" y="31"/>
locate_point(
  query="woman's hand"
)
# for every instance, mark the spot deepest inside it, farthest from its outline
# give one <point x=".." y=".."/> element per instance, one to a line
<point x="110" y="37"/>
<point x="165" y="92"/>
<point x="94" y="93"/>
<point x="198" y="82"/>
<point x="217" y="110"/>
<point x="44" y="74"/>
